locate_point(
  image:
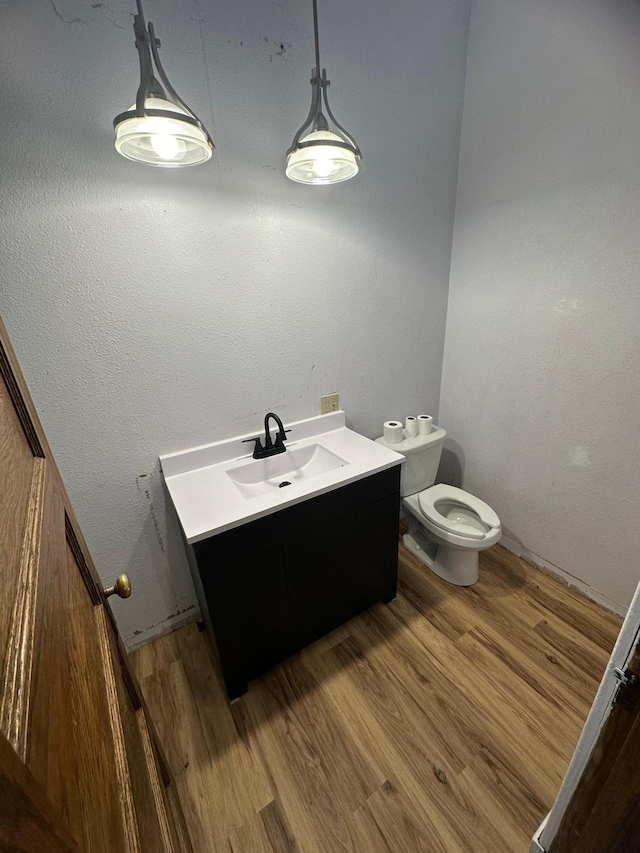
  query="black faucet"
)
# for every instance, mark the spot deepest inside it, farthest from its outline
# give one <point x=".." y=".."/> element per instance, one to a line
<point x="271" y="448"/>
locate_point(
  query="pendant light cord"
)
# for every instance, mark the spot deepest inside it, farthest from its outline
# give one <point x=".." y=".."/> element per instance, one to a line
<point x="315" y="32"/>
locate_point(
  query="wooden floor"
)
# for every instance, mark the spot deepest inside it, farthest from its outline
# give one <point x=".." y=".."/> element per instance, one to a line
<point x="443" y="721"/>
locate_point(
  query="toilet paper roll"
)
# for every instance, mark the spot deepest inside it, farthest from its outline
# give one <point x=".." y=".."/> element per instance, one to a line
<point x="393" y="432"/>
<point x="425" y="424"/>
<point x="411" y="426"/>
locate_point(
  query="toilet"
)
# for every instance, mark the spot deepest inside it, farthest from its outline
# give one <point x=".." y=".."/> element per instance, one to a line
<point x="448" y="527"/>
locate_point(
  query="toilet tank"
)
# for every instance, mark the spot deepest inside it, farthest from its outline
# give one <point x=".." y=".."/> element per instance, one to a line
<point x="422" y="457"/>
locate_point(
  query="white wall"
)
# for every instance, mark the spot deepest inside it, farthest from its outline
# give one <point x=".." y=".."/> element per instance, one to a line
<point x="154" y="310"/>
<point x="541" y="380"/>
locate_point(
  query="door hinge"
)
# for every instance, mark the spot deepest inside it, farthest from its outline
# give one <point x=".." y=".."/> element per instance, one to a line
<point x="628" y="691"/>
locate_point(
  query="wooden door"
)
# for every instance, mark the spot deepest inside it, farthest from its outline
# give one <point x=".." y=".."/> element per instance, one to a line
<point x="598" y="806"/>
<point x="80" y="768"/>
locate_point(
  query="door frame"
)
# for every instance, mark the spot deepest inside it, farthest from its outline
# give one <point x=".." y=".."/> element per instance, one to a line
<point x="624" y="649"/>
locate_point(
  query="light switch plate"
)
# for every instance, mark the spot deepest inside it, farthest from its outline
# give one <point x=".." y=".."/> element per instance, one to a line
<point x="329" y="403"/>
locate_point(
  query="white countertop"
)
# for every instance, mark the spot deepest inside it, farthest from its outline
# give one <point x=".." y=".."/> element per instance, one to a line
<point x="208" y="501"/>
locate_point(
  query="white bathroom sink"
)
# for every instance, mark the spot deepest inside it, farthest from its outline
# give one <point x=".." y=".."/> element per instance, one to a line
<point x="260" y="476"/>
<point x="219" y="486"/>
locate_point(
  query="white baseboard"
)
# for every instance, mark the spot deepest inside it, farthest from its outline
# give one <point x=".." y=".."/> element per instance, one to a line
<point x="566" y="578"/>
<point x="140" y="638"/>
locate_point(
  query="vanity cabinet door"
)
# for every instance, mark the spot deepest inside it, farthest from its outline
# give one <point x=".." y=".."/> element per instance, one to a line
<point x="317" y="580"/>
<point x="249" y="609"/>
<point x="373" y="553"/>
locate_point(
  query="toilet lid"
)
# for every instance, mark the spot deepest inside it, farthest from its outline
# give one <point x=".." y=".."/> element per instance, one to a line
<point x="456" y="511"/>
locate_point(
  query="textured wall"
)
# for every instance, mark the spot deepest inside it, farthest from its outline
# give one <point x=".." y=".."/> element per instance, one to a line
<point x="154" y="310"/>
<point x="541" y="386"/>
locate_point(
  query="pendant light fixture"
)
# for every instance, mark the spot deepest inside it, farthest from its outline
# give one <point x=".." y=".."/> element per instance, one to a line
<point x="159" y="129"/>
<point x="324" y="155"/>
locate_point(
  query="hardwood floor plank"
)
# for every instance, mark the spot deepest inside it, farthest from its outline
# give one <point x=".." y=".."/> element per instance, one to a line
<point x="417" y="706"/>
<point x="336" y="671"/>
<point x="441" y="722"/>
<point x="508" y="587"/>
<point x="169" y="698"/>
<point x="219" y="783"/>
<point x="278" y="829"/>
<point x="154" y="656"/>
<point x="246" y="780"/>
<point x="317" y="770"/>
<point x="585" y="655"/>
<point x="252" y="836"/>
<point x="428" y="599"/>
<point x="438" y="792"/>
<point x="267" y="832"/>
<point x="471" y="702"/>
<point x="517" y="818"/>
<point x="575" y="610"/>
<point x="366" y="833"/>
<point x="477" y="714"/>
<point x="499" y="779"/>
<point x="328" y="642"/>
<point x="554" y="729"/>
<point x="552" y="675"/>
<point x="496" y="598"/>
<point x="388" y="809"/>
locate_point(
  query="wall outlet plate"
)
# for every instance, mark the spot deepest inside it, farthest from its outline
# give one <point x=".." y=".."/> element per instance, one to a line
<point x="329" y="403"/>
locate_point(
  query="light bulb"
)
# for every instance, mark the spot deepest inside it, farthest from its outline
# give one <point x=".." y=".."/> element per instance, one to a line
<point x="161" y="140"/>
<point x="321" y="163"/>
<point x="165" y="145"/>
<point x="323" y="168"/>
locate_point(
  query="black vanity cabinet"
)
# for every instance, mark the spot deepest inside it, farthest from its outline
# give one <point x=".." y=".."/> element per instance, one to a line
<point x="270" y="587"/>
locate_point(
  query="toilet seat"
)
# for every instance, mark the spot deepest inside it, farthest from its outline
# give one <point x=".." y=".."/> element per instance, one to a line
<point x="430" y="498"/>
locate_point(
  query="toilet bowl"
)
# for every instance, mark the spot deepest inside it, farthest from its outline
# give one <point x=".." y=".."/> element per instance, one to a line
<point x="447" y="527"/>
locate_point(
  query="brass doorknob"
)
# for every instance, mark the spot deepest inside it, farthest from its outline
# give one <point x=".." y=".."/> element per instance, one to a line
<point x="121" y="587"/>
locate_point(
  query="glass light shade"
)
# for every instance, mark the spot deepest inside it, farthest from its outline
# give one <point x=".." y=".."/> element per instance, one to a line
<point x="162" y="141"/>
<point x="321" y="164"/>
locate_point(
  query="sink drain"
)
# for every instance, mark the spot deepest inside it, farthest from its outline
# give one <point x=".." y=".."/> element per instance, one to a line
<point x="283" y="484"/>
